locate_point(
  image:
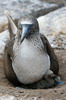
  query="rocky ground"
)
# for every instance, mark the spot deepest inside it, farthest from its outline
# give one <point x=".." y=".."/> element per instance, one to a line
<point x="7" y="90"/>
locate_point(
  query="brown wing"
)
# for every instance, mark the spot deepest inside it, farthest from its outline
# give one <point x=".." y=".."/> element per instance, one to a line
<point x="9" y="72"/>
<point x="54" y="62"/>
<point x="8" y="55"/>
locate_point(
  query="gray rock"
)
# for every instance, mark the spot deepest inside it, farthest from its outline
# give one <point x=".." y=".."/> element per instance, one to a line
<point x="53" y="26"/>
<point x="19" y="8"/>
<point x="4" y="37"/>
<point x="23" y="7"/>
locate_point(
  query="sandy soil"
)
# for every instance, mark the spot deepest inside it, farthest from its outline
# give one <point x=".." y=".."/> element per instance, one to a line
<point x="57" y="93"/>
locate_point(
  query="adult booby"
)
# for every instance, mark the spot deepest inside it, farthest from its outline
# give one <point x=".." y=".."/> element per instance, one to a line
<point x="29" y="58"/>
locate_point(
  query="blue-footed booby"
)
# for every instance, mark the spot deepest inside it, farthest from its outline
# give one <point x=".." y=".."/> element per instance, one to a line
<point x="29" y="58"/>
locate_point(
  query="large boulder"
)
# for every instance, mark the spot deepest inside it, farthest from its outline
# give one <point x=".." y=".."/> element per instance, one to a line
<point x="53" y="26"/>
<point x="4" y="38"/>
<point x="23" y="7"/>
<point x="19" y="8"/>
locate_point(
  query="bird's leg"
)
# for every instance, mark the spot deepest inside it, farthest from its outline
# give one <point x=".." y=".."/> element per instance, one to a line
<point x="56" y="78"/>
<point x="50" y="74"/>
<point x="45" y="82"/>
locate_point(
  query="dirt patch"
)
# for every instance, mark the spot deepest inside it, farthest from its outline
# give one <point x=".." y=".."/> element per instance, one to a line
<point x="58" y="92"/>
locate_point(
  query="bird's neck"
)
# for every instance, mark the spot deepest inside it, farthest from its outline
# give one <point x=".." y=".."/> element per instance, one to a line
<point x="33" y="36"/>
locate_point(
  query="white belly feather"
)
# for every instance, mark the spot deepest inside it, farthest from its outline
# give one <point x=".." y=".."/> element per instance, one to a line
<point x="30" y="63"/>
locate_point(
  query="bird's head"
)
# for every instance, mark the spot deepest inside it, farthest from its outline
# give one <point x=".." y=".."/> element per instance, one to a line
<point x="27" y="26"/>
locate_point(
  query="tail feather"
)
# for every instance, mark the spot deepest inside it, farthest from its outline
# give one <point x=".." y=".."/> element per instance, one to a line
<point x="11" y="22"/>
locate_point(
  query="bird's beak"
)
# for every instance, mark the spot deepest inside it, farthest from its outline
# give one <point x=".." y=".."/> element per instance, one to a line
<point x="25" y="31"/>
